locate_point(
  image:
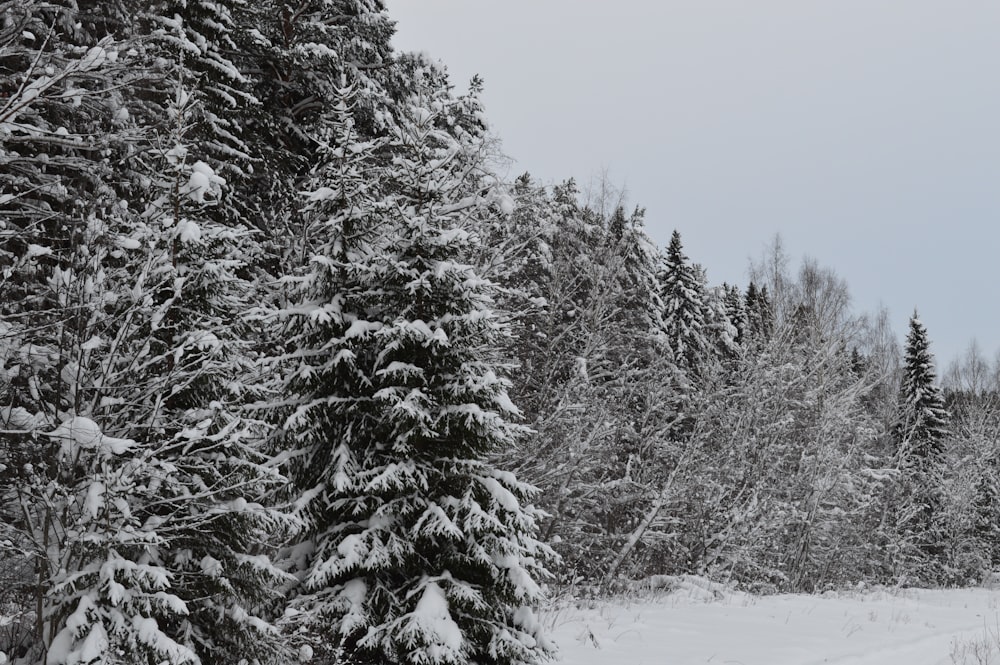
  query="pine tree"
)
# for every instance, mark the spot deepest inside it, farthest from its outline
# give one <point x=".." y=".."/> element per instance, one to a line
<point x="736" y="312"/>
<point x="198" y="375"/>
<point x="634" y="260"/>
<point x="307" y="51"/>
<point x="416" y="550"/>
<point x="919" y="435"/>
<point x="685" y="311"/>
<point x="923" y="420"/>
<point x="760" y="314"/>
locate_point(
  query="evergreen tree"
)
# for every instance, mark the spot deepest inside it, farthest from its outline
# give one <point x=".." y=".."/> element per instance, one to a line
<point x="736" y="312"/>
<point x="923" y="420"/>
<point x="919" y="436"/>
<point x="634" y="258"/>
<point x="416" y="550"/>
<point x="684" y="308"/>
<point x="759" y="313"/>
<point x="307" y="51"/>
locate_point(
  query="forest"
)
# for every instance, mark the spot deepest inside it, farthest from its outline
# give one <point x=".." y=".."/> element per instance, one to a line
<point x="289" y="372"/>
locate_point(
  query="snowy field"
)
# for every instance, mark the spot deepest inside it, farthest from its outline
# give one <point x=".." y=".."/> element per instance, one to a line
<point x="702" y="623"/>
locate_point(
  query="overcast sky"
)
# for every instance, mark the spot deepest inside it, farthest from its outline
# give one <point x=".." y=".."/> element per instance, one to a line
<point x="865" y="132"/>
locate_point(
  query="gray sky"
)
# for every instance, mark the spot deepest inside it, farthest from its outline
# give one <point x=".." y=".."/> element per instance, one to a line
<point x="865" y="132"/>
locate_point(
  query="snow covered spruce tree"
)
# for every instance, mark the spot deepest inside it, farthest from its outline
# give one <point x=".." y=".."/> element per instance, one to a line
<point x="685" y="311"/>
<point x="759" y="316"/>
<point x="305" y="49"/>
<point x="923" y="420"/>
<point x="919" y="435"/>
<point x="415" y="549"/>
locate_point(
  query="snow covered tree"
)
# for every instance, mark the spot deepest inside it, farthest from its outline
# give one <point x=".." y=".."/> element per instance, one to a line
<point x="634" y="258"/>
<point x="777" y="488"/>
<point x="197" y="368"/>
<point x="923" y="420"/>
<point x="204" y="39"/>
<point x="104" y="598"/>
<point x="551" y="275"/>
<point x="133" y="295"/>
<point x="759" y="313"/>
<point x="593" y="376"/>
<point x="736" y="312"/>
<point x="684" y="308"/>
<point x="881" y="356"/>
<point x="919" y="437"/>
<point x="973" y="404"/>
<point x="415" y="550"/>
<point x="548" y="277"/>
<point x="59" y="132"/>
<point x="306" y="51"/>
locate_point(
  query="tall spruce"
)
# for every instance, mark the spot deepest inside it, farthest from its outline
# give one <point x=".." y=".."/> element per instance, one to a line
<point x="923" y="420"/>
<point x="415" y="549"/>
<point x="919" y="435"/>
<point x="759" y="313"/>
<point x="685" y="312"/>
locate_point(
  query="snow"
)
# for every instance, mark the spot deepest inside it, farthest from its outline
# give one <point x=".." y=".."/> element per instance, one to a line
<point x="79" y="432"/>
<point x="421" y="115"/>
<point x="95" y="499"/>
<point x="400" y="368"/>
<point x="94" y="647"/>
<point x="95" y="57"/>
<point x="211" y="566"/>
<point x="127" y="243"/>
<point x="95" y="342"/>
<point x="501" y="495"/>
<point x="432" y="621"/>
<point x="37" y="250"/>
<point x="84" y="432"/>
<point x="360" y="328"/>
<point x="701" y="624"/>
<point x="506" y="204"/>
<point x="202" y="182"/>
<point x="188" y="231"/>
<point x="355" y="592"/>
<point x="524" y="586"/>
<point x="321" y="194"/>
<point x="60" y="650"/>
<point x="17" y="418"/>
<point x="177" y="154"/>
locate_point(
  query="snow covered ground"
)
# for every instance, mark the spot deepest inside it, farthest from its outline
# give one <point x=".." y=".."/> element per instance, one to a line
<point x="704" y="623"/>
